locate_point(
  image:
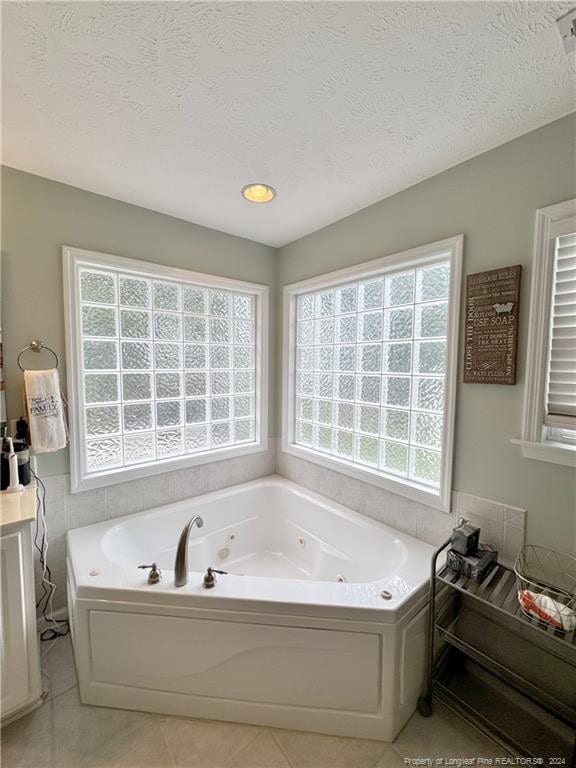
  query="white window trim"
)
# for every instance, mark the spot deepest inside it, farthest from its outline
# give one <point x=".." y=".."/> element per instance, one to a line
<point x="551" y="222"/>
<point x="449" y="249"/>
<point x="76" y="258"/>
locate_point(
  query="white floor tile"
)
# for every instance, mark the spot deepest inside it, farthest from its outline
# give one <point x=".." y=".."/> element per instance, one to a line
<point x="263" y="752"/>
<point x="444" y="734"/>
<point x="58" y="670"/>
<point x="29" y="741"/>
<point x="205" y="743"/>
<point x="391" y="759"/>
<point x="312" y="750"/>
<point x="97" y="737"/>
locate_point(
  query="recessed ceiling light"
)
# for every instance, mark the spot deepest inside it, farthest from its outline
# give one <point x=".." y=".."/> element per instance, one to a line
<point x="258" y="193"/>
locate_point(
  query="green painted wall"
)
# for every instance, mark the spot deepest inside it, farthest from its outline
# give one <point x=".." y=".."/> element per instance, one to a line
<point x="40" y="216"/>
<point x="491" y="199"/>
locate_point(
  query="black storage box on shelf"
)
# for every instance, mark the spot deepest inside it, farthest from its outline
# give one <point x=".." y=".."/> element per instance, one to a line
<point x="476" y="565"/>
<point x="465" y="538"/>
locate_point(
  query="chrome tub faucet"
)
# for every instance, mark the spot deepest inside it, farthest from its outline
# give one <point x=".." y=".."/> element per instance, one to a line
<point x="181" y="562"/>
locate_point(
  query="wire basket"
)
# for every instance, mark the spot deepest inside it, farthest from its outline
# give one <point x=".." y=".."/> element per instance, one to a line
<point x="546" y="582"/>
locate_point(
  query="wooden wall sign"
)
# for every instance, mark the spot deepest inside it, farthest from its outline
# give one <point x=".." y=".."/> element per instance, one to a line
<point x="491" y="339"/>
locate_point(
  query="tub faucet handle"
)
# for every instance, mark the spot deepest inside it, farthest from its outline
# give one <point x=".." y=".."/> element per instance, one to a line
<point x="155" y="574"/>
<point x="209" y="578"/>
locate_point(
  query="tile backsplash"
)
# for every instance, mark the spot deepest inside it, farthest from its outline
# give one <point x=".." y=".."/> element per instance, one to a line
<point x="502" y="525"/>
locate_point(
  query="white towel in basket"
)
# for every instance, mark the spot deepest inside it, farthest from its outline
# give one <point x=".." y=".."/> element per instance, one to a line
<point x="548" y="610"/>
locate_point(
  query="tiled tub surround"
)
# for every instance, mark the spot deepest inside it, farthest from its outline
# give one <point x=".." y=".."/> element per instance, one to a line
<point x="501" y="525"/>
<point x="65" y="511"/>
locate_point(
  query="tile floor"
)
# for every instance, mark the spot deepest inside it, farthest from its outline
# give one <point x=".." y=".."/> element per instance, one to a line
<point x="66" y="734"/>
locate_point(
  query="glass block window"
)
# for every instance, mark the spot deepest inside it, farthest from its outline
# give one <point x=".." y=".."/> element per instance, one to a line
<point x="369" y="372"/>
<point x="167" y="368"/>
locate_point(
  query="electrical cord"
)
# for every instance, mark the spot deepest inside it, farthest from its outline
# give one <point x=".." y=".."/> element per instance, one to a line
<point x="45" y="602"/>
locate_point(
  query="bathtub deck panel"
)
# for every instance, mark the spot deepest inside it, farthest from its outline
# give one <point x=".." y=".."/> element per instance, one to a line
<point x="240" y="662"/>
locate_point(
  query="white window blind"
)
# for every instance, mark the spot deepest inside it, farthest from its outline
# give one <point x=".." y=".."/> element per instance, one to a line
<point x="561" y="396"/>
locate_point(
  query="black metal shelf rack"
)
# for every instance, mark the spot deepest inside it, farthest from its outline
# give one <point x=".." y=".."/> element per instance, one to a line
<point x="511" y="676"/>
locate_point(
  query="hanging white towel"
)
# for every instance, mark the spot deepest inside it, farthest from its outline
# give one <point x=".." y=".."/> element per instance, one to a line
<point x="45" y="411"/>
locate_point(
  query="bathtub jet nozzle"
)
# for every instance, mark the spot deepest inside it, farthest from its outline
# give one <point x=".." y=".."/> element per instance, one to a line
<point x="181" y="562"/>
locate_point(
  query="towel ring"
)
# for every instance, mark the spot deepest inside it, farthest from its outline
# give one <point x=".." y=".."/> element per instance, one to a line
<point x="36" y="346"/>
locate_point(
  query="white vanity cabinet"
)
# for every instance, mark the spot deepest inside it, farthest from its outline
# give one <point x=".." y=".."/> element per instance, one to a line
<point x="20" y="656"/>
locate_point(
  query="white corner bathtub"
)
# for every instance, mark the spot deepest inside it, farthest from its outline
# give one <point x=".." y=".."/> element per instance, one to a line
<point x="319" y="624"/>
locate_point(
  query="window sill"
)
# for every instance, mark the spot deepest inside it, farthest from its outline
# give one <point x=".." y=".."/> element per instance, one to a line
<point x="555" y="453"/>
<point x="399" y="486"/>
<point x="136" y="472"/>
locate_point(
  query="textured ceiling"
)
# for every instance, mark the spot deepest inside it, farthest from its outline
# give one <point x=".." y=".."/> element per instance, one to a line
<point x="175" y="106"/>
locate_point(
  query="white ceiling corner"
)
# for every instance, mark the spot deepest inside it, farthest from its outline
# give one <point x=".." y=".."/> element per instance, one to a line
<point x="175" y="106"/>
